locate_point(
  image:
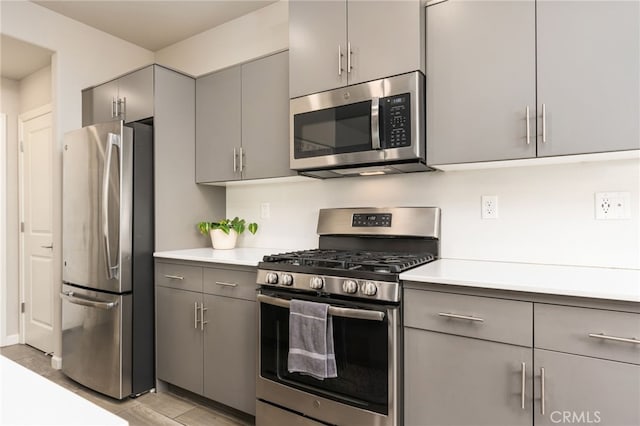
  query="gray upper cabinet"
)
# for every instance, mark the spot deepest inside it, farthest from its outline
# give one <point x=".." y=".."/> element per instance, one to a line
<point x="487" y="62"/>
<point x="480" y="81"/>
<point x="338" y="43"/>
<point x="129" y="98"/>
<point x="242" y="122"/>
<point x="588" y="76"/>
<point x="218" y="121"/>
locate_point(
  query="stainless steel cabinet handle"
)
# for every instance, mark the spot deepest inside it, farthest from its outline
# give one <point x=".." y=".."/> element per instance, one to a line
<point x="333" y="310"/>
<point x="122" y="112"/>
<point x="542" y="391"/>
<point x="462" y="317"/>
<point x="202" y="321"/>
<point x="174" y="277"/>
<point x="544" y="123"/>
<point x="77" y="300"/>
<point x="226" y="284"/>
<point x="340" y="61"/>
<point x="528" y="129"/>
<point x="349" y="52"/>
<point x="195" y="315"/>
<point x="241" y="159"/>
<point x="375" y="123"/>
<point x="114" y="109"/>
<point x="235" y="162"/>
<point x="524" y="380"/>
<point x="615" y="339"/>
<point x="113" y="140"/>
<point x="50" y="246"/>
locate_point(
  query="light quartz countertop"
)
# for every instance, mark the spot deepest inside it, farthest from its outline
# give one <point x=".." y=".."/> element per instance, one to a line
<point x="246" y="256"/>
<point x="26" y="398"/>
<point x="590" y="282"/>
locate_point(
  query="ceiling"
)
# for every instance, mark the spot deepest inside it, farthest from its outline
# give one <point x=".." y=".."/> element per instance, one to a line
<point x="154" y="24"/>
<point x="19" y="59"/>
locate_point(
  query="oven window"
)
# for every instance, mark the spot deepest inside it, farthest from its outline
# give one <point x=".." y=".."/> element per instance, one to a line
<point x="361" y="348"/>
<point x="331" y="131"/>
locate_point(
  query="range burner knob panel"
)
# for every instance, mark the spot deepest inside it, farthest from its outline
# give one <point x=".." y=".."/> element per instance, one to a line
<point x="349" y="286"/>
<point x="369" y="288"/>
<point x="271" y="278"/>
<point x="287" y="279"/>
<point x="316" y="283"/>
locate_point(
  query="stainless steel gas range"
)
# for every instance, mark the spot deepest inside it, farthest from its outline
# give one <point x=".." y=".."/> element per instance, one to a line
<point x="355" y="271"/>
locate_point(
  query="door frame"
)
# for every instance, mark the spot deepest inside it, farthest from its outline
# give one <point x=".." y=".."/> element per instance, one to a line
<point x="3" y="229"/>
<point x="22" y="119"/>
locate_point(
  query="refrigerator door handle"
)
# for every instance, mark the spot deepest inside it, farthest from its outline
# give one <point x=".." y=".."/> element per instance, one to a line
<point x="78" y="300"/>
<point x="113" y="141"/>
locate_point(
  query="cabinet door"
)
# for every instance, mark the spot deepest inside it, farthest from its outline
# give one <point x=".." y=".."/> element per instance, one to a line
<point x="178" y="338"/>
<point x="480" y="81"/>
<point x="218" y="120"/>
<point x="317" y="35"/>
<point x="452" y="380"/>
<point x="583" y="390"/>
<point x="588" y="76"/>
<point x="265" y="117"/>
<point x="98" y="103"/>
<point x="230" y="352"/>
<point x="379" y="30"/>
<point x="135" y="91"/>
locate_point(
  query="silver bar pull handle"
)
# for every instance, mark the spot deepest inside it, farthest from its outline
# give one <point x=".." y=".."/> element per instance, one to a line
<point x="241" y="159"/>
<point x="50" y="246"/>
<point x="461" y="317"/>
<point x="235" y="161"/>
<point x="349" y="52"/>
<point x="615" y="339"/>
<point x="114" y="108"/>
<point x="333" y="310"/>
<point x="340" y="61"/>
<point x="195" y="315"/>
<point x="174" y="277"/>
<point x="542" y="391"/>
<point x="528" y="128"/>
<point x="122" y="112"/>
<point x="226" y="284"/>
<point x="524" y="380"/>
<point x="375" y="123"/>
<point x="544" y="123"/>
<point x="78" y="300"/>
<point x="202" y="321"/>
<point x="113" y="140"/>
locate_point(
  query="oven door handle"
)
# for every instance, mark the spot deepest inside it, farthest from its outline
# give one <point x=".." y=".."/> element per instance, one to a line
<point x="333" y="310"/>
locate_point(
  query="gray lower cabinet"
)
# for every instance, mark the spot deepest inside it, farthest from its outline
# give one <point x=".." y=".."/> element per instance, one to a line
<point x="206" y="333"/>
<point x="242" y="122"/>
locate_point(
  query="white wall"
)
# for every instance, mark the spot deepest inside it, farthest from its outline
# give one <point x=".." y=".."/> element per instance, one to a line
<point x="248" y="37"/>
<point x="83" y="57"/>
<point x="35" y="90"/>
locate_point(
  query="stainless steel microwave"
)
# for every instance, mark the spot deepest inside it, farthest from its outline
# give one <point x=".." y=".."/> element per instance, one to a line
<point x="370" y="128"/>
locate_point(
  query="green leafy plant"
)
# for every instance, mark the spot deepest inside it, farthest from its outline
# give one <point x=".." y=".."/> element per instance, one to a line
<point x="226" y="225"/>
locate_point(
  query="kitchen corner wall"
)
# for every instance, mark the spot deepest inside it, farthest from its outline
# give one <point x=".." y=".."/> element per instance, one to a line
<point x="546" y="213"/>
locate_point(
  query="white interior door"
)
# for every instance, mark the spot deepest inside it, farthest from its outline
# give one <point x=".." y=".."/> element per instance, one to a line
<point x="37" y="242"/>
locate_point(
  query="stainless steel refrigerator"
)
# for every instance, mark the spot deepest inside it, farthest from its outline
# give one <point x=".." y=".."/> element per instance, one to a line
<point x="108" y="228"/>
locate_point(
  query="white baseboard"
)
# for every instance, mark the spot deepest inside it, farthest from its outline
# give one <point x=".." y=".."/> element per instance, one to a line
<point x="12" y="339"/>
<point x="56" y="362"/>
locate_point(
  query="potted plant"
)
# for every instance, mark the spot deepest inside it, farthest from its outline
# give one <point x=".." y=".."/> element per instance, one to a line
<point x="224" y="233"/>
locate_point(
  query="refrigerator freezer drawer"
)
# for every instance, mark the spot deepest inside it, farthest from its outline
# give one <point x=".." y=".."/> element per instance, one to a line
<point x="96" y="340"/>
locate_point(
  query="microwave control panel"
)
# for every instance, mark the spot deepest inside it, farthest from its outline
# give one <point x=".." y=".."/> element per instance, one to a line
<point x="397" y="121"/>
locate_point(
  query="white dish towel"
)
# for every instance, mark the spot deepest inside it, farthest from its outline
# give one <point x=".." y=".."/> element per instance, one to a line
<point x="311" y="340"/>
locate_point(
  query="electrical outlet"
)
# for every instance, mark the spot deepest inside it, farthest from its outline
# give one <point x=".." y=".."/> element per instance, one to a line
<point x="489" y="206"/>
<point x="265" y="210"/>
<point x="612" y="205"/>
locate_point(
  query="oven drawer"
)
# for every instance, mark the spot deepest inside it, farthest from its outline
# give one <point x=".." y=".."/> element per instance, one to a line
<point x="499" y="320"/>
<point x="183" y="277"/>
<point x="590" y="332"/>
<point x="230" y="283"/>
<point x="270" y="415"/>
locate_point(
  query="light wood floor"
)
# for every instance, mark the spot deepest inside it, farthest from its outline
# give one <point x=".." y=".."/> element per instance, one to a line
<point x="151" y="409"/>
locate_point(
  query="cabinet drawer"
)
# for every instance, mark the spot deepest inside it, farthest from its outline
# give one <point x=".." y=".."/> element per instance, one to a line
<point x="499" y="320"/>
<point x="182" y="277"/>
<point x="568" y="329"/>
<point x="227" y="282"/>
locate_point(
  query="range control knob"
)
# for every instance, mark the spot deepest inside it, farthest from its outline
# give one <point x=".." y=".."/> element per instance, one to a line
<point x="316" y="283"/>
<point x="349" y="286"/>
<point x="271" y="278"/>
<point x="287" y="279"/>
<point x="369" y="288"/>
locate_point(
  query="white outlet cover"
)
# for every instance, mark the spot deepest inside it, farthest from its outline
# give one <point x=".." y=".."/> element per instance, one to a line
<point x="489" y="206"/>
<point x="612" y="205"/>
<point x="265" y="210"/>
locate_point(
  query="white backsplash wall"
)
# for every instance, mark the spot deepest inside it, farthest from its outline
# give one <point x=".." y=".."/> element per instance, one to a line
<point x="546" y="213"/>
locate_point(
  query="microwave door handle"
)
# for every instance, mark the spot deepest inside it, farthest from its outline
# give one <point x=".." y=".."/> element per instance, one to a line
<point x="375" y="123"/>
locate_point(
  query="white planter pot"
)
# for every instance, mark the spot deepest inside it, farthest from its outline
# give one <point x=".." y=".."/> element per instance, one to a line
<point x="222" y="241"/>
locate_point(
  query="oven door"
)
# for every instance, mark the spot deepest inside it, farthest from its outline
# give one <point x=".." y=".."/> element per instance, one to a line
<point x="366" y="343"/>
